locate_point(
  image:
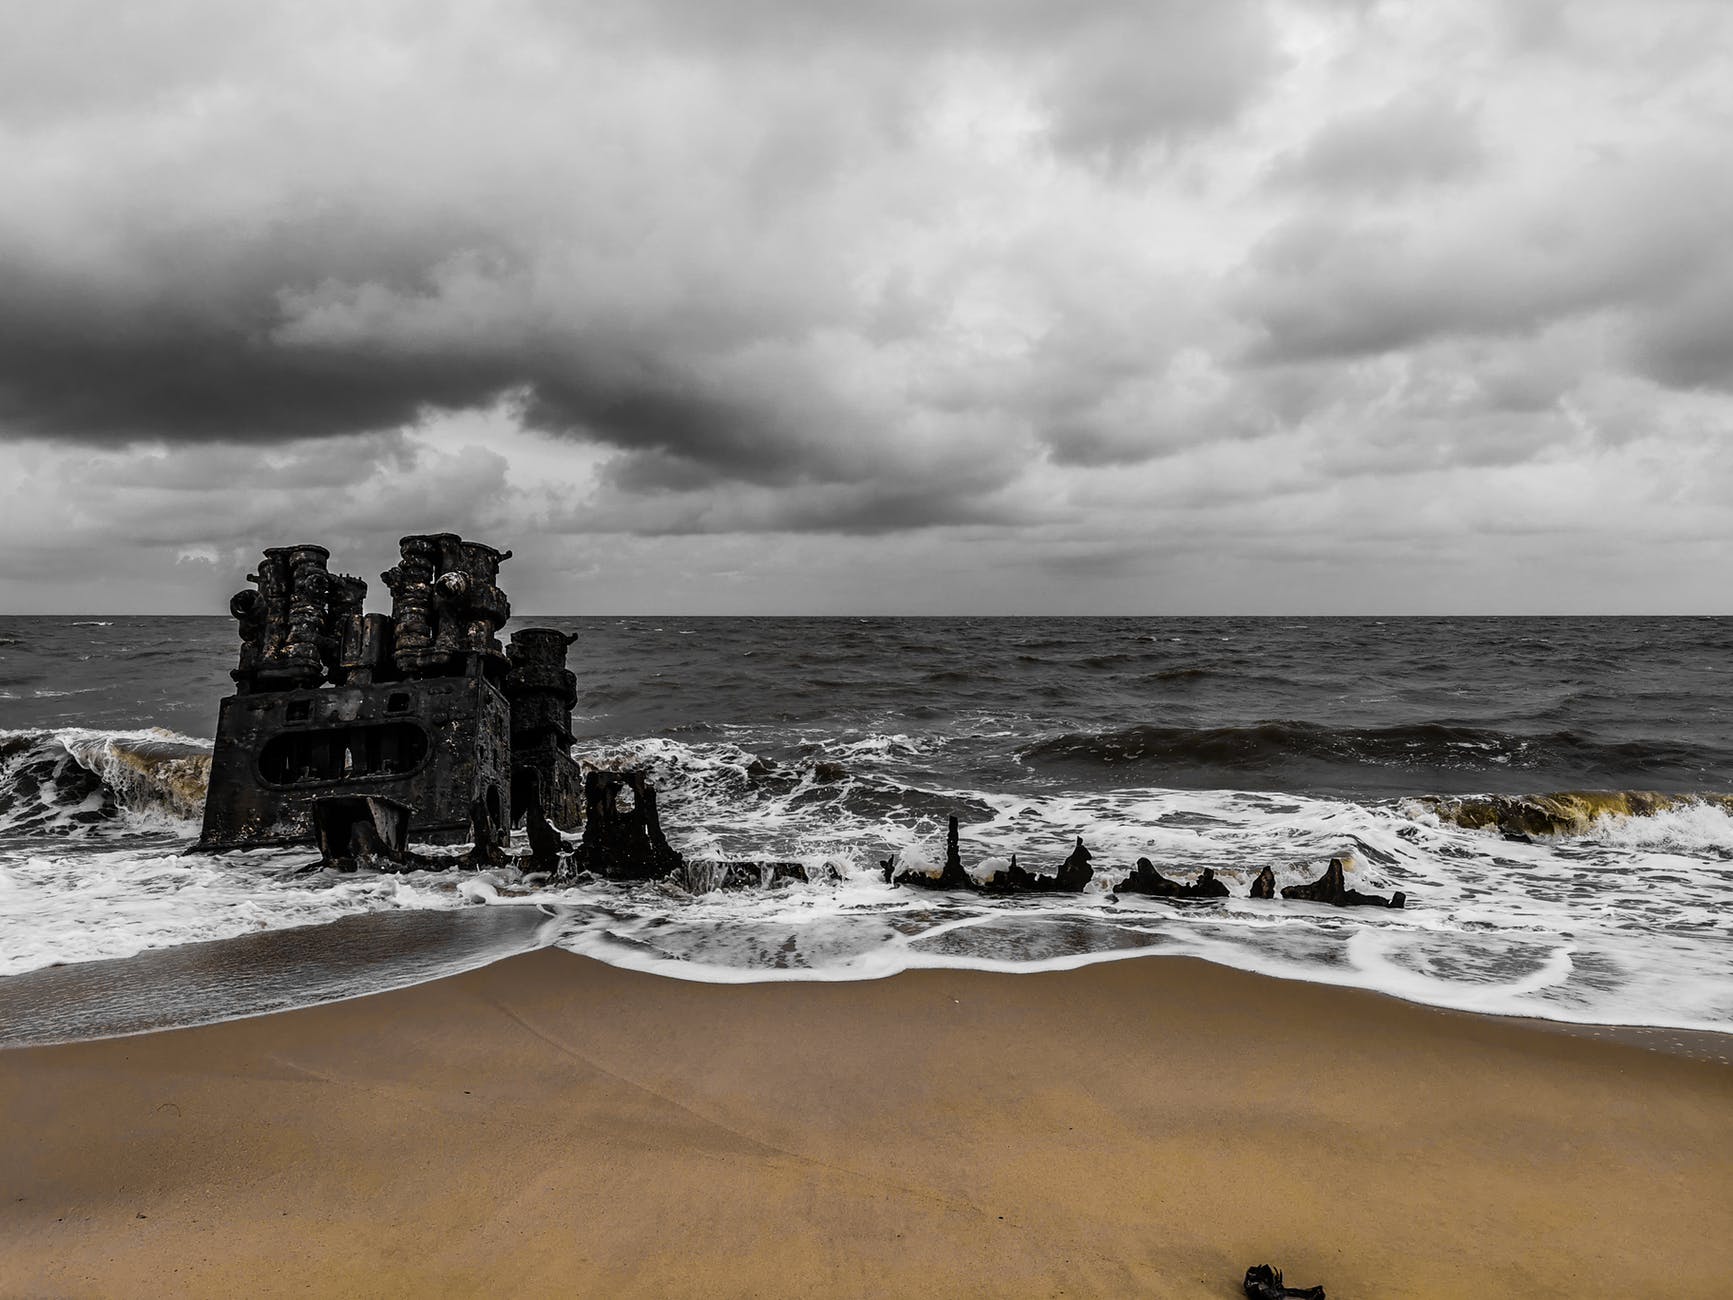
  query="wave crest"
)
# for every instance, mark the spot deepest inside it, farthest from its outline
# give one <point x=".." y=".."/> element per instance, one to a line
<point x="60" y="781"/>
<point x="1566" y="812"/>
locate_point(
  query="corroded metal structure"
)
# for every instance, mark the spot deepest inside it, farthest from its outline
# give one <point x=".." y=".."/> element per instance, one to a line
<point x="364" y="731"/>
<point x="416" y="708"/>
<point x="623" y="837"/>
<point x="542" y="692"/>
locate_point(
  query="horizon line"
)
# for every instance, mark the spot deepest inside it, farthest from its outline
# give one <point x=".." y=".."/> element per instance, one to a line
<point x="109" y="614"/>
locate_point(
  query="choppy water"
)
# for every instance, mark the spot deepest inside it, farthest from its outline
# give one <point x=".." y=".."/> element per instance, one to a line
<point x="1226" y="743"/>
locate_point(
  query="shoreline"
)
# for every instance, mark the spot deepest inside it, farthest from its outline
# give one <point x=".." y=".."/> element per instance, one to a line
<point x="295" y="968"/>
<point x="547" y="1124"/>
<point x="263" y="973"/>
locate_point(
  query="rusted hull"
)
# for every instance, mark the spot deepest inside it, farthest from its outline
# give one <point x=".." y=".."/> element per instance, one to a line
<point x="437" y="745"/>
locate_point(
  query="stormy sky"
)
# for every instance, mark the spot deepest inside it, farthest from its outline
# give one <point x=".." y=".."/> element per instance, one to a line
<point x="918" y="306"/>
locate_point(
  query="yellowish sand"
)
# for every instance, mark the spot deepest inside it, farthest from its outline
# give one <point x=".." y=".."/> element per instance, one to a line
<point x="552" y="1126"/>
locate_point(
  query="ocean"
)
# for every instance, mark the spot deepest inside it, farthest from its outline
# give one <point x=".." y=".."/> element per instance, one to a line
<point x="1228" y="743"/>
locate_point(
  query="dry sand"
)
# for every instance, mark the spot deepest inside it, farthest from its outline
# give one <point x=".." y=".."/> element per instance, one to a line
<point x="552" y="1126"/>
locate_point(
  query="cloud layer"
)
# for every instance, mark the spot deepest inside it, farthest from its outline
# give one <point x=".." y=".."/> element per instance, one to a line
<point x="1249" y="304"/>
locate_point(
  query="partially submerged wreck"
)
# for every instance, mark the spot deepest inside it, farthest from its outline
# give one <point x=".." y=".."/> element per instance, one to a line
<point x="361" y="732"/>
<point x="420" y="710"/>
<point x="1075" y="873"/>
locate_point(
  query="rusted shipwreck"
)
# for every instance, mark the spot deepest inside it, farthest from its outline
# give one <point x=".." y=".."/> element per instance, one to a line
<point x="418" y="722"/>
<point x="362" y="732"/>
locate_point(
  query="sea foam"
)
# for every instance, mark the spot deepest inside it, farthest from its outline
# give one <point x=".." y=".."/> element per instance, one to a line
<point x="1622" y="922"/>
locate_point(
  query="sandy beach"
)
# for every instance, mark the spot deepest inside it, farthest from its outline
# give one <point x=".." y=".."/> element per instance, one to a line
<point x="552" y="1126"/>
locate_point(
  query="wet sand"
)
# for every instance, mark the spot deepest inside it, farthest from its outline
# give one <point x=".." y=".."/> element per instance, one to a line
<point x="551" y="1126"/>
<point x="262" y="971"/>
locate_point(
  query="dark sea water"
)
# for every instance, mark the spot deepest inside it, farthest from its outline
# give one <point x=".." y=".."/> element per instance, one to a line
<point x="1232" y="743"/>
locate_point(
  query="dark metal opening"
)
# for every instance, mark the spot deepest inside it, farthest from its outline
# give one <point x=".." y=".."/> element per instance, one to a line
<point x="331" y="754"/>
<point x="397" y="703"/>
<point x="299" y="710"/>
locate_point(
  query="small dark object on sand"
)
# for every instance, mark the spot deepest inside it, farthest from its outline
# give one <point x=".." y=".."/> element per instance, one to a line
<point x="1264" y="1282"/>
<point x="1332" y="888"/>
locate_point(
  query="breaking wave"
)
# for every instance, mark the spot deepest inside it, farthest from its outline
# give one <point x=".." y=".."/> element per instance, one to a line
<point x="1573" y="812"/>
<point x="57" y="782"/>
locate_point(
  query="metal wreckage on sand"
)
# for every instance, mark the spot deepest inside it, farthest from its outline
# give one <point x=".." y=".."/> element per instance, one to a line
<point x="362" y="732"/>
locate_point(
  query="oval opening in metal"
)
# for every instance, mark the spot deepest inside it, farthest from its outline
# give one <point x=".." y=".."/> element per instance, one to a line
<point x="328" y="755"/>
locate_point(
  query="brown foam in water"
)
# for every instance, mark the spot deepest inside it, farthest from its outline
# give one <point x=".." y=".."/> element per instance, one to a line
<point x="1567" y="812"/>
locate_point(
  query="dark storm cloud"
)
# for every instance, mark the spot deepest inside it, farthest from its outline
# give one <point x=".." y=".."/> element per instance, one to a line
<point x="215" y="357"/>
<point x="194" y="325"/>
<point x="197" y="361"/>
<point x="787" y="287"/>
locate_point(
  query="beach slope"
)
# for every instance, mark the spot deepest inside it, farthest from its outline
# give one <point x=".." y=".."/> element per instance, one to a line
<point x="552" y="1126"/>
